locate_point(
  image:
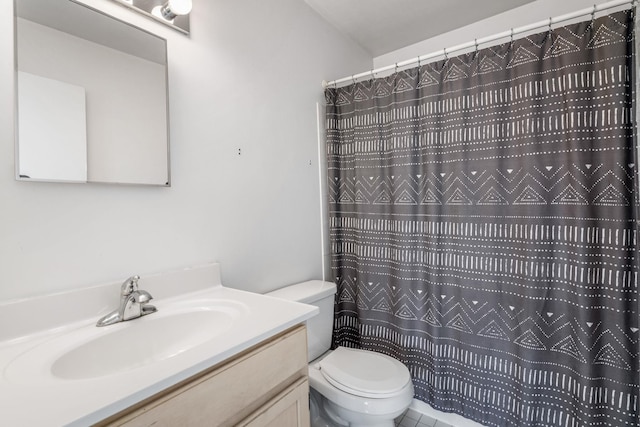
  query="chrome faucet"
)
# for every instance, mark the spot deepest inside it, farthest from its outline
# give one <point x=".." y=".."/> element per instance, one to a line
<point x="133" y="304"/>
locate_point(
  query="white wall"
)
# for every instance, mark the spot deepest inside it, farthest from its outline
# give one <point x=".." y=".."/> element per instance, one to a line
<point x="528" y="14"/>
<point x="248" y="78"/>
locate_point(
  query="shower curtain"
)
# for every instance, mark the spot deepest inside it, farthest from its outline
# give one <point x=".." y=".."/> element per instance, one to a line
<point x="482" y="217"/>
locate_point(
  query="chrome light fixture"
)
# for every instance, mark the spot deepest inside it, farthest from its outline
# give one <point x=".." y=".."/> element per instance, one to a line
<point x="174" y="13"/>
<point x="173" y="8"/>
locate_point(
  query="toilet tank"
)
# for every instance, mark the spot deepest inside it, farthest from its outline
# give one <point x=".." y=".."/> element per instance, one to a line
<point x="319" y="328"/>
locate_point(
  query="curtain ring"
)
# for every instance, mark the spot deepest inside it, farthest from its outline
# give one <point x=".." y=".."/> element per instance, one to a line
<point x="475" y="42"/>
<point x="419" y="64"/>
<point x="353" y="79"/>
<point x="396" y="69"/>
<point x="550" y="22"/>
<point x="373" y="75"/>
<point x="511" y="35"/>
<point x="446" y="56"/>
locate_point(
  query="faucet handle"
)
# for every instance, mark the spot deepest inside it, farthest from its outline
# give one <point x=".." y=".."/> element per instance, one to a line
<point x="130" y="285"/>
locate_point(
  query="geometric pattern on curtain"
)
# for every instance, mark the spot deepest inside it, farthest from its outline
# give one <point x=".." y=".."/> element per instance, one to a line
<point x="483" y="226"/>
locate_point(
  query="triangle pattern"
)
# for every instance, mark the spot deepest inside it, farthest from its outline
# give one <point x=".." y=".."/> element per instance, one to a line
<point x="361" y="199"/>
<point x="609" y="356"/>
<point x="458" y="198"/>
<point x="530" y="340"/>
<point x="611" y="197"/>
<point x="569" y="196"/>
<point x="454" y="73"/>
<point x="405" y="199"/>
<point x="561" y="46"/>
<point x="345" y="296"/>
<point x="427" y="80"/>
<point x="430" y="198"/>
<point x="459" y="324"/>
<point x="486" y="66"/>
<point x="342" y="99"/>
<point x="492" y="197"/>
<point x="492" y="330"/>
<point x="405" y="312"/>
<point x="604" y="36"/>
<point x="383" y="198"/>
<point x="431" y="319"/>
<point x="568" y="346"/>
<point x="522" y="56"/>
<point x="361" y="305"/>
<point x="475" y="308"/>
<point x="402" y="86"/>
<point x="360" y="95"/>
<point x="345" y="198"/>
<point x="529" y="197"/>
<point x="381" y="90"/>
<point x="383" y="306"/>
<point x="549" y="171"/>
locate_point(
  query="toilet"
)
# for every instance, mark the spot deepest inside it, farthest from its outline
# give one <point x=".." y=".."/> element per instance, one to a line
<point x="349" y="387"/>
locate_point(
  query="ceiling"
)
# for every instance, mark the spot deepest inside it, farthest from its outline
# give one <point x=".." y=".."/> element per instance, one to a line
<point x="382" y="26"/>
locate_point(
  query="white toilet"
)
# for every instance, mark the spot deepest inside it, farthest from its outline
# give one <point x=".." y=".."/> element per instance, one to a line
<point x="349" y="387"/>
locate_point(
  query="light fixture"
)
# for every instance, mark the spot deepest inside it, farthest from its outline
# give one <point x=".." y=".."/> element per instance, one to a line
<point x="174" y="13"/>
<point x="172" y="8"/>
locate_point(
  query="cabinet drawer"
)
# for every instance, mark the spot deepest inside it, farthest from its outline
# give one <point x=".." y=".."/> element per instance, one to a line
<point x="227" y="393"/>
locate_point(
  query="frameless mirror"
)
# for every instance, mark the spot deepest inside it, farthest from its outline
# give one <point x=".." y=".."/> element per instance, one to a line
<point x="91" y="97"/>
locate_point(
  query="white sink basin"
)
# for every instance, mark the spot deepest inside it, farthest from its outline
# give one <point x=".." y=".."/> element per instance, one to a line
<point x="91" y="352"/>
<point x="58" y="369"/>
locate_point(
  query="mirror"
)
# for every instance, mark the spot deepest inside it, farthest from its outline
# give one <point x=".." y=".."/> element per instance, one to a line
<point x="91" y="99"/>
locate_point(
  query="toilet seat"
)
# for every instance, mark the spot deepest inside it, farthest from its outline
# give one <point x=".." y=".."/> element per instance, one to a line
<point x="364" y="373"/>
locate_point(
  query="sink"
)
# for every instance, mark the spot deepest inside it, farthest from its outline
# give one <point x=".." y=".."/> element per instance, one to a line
<point x="58" y="369"/>
<point x="91" y="352"/>
<point x="147" y="341"/>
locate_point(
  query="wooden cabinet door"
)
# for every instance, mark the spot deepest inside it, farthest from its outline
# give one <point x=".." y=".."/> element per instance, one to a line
<point x="289" y="409"/>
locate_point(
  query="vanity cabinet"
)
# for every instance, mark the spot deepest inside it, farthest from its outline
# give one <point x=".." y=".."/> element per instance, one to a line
<point x="266" y="385"/>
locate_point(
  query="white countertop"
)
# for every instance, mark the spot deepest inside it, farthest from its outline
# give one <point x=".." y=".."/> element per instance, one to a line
<point x="37" y="398"/>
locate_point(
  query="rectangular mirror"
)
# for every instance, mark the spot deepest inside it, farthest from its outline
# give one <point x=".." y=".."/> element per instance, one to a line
<point x="91" y="100"/>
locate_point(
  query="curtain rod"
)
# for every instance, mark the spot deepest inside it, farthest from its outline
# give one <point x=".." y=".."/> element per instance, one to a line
<point x="446" y="51"/>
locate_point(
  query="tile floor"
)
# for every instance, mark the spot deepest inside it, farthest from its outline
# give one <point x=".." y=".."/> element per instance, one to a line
<point x="413" y="418"/>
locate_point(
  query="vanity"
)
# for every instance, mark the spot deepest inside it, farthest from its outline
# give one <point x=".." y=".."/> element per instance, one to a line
<point x="210" y="356"/>
<point x="254" y="388"/>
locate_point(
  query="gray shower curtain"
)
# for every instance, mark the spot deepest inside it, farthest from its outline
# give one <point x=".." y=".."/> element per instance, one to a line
<point x="483" y="226"/>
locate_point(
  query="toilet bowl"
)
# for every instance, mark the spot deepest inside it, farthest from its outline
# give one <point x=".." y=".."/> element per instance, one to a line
<point x="358" y="388"/>
<point x="348" y="387"/>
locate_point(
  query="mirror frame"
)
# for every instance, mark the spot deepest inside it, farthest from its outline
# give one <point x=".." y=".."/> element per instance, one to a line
<point x="16" y="110"/>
